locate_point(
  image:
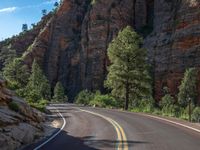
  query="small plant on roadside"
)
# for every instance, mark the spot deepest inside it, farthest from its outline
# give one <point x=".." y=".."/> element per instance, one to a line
<point x="14" y="106"/>
<point x="59" y="93"/>
<point x="196" y="114"/>
<point x="84" y="97"/>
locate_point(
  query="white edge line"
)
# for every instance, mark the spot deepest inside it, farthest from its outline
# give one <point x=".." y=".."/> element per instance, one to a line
<point x="159" y="118"/>
<point x="53" y="136"/>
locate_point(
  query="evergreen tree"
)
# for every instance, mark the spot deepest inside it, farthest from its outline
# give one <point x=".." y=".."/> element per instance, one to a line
<point x="128" y="74"/>
<point x="188" y="87"/>
<point x="38" y="86"/>
<point x="16" y="73"/>
<point x="59" y="93"/>
<point x="24" y="27"/>
<point x="44" y="12"/>
<point x="56" y="4"/>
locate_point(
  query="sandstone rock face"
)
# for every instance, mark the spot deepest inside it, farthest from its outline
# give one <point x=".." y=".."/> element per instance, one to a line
<point x="175" y="42"/>
<point x="19" y="126"/>
<point x="101" y="24"/>
<point x="58" y="46"/>
<point x="72" y="47"/>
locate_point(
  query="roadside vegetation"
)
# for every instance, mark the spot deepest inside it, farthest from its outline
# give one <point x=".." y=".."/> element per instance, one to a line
<point x="32" y="85"/>
<point x="129" y="83"/>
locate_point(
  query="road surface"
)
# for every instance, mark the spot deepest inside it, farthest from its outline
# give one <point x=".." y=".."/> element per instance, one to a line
<point x="100" y="129"/>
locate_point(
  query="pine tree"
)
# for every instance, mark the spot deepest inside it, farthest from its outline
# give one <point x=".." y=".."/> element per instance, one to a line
<point x="44" y="12"/>
<point x="16" y="73"/>
<point x="128" y="74"/>
<point x="24" y="27"/>
<point x="59" y="93"/>
<point x="38" y="86"/>
<point x="188" y="87"/>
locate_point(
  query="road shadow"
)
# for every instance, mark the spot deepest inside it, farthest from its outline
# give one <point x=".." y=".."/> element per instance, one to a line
<point x="60" y="142"/>
<point x="68" y="142"/>
<point x="105" y="143"/>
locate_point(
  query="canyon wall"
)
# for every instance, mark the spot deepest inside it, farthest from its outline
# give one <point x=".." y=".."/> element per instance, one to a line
<point x="72" y="46"/>
<point x="174" y="44"/>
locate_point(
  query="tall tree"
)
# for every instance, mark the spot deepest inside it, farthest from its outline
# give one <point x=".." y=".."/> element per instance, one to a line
<point x="56" y="4"/>
<point x="24" y="27"/>
<point x="128" y="76"/>
<point x="16" y="73"/>
<point x="59" y="93"/>
<point x="44" y="12"/>
<point x="38" y="86"/>
<point x="188" y="87"/>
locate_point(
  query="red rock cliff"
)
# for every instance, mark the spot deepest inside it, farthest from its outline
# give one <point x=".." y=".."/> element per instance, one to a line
<point x="71" y="48"/>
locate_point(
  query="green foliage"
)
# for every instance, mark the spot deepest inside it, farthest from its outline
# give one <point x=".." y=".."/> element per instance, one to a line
<point x="44" y="12"/>
<point x="84" y="97"/>
<point x="166" y="101"/>
<point x="93" y="2"/>
<point x="24" y="27"/>
<point x="188" y="87"/>
<point x="41" y="105"/>
<point x="103" y="101"/>
<point x="145" y="105"/>
<point x="38" y="86"/>
<point x="7" y="54"/>
<point x="59" y="93"/>
<point x="196" y="114"/>
<point x="16" y="73"/>
<point x="13" y="106"/>
<point x="128" y="76"/>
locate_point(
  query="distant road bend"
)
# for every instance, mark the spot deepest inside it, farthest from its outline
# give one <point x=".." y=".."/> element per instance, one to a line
<point x="100" y="129"/>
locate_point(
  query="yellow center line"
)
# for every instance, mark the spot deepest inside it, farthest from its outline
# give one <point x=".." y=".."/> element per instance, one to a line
<point x="121" y="136"/>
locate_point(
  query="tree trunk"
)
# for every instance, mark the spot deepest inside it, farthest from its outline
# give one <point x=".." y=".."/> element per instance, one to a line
<point x="127" y="97"/>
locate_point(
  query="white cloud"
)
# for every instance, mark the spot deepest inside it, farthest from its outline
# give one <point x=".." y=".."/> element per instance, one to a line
<point x="8" y="10"/>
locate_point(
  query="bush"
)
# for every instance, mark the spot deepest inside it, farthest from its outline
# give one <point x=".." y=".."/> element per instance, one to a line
<point x="196" y="114"/>
<point x="188" y="87"/>
<point x="84" y="97"/>
<point x="40" y="105"/>
<point x="13" y="106"/>
<point x="104" y="101"/>
<point x="166" y="101"/>
<point x="59" y="93"/>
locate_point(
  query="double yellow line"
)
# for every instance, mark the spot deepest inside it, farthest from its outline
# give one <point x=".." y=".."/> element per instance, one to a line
<point x="121" y="136"/>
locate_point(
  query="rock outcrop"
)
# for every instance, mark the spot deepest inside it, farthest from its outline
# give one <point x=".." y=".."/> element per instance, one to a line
<point x="174" y="44"/>
<point x="72" y="47"/>
<point x="19" y="123"/>
<point x="18" y="44"/>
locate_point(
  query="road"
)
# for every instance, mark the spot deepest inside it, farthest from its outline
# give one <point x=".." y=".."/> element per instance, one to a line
<point x="100" y="129"/>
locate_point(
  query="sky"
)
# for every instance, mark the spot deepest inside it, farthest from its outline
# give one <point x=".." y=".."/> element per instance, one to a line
<point x="14" y="13"/>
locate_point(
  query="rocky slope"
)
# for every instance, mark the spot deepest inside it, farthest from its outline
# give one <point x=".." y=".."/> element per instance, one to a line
<point x="71" y="48"/>
<point x="19" y="123"/>
<point x="18" y="44"/>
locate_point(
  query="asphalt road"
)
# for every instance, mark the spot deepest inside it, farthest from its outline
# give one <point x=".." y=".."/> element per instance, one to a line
<point x="101" y="129"/>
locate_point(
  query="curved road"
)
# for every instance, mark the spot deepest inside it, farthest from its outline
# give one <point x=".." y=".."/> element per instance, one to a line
<point x="101" y="129"/>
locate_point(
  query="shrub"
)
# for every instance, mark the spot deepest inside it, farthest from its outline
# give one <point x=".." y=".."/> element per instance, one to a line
<point x="166" y="101"/>
<point x="104" y="101"/>
<point x="41" y="105"/>
<point x="188" y="87"/>
<point x="146" y="105"/>
<point x="84" y="97"/>
<point x="13" y="106"/>
<point x="59" y="93"/>
<point x="196" y="114"/>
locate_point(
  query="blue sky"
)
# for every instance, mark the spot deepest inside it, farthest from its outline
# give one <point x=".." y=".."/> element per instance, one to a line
<point x="14" y="13"/>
